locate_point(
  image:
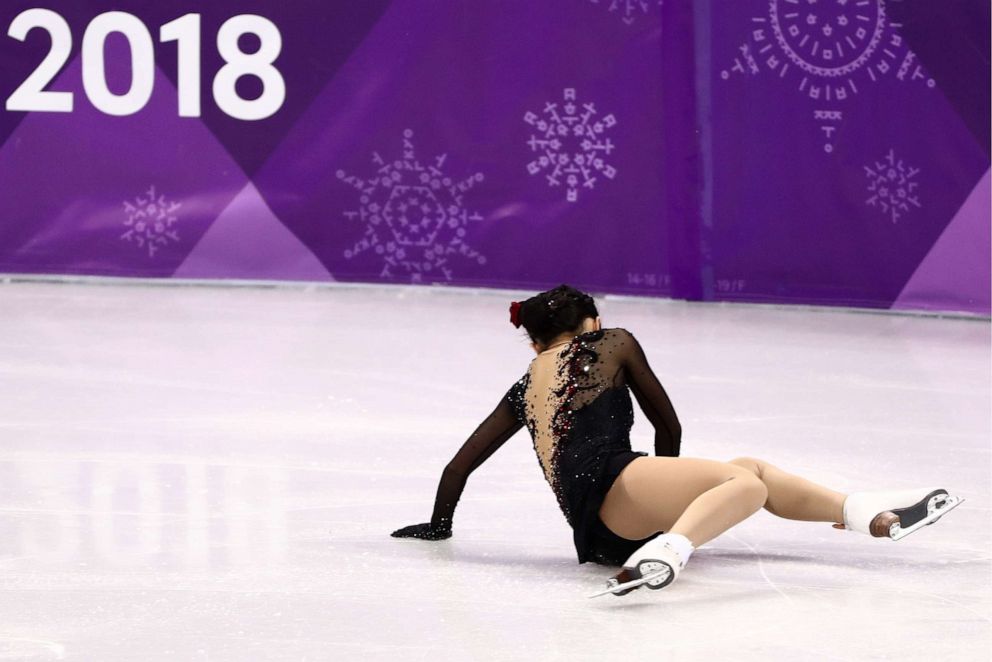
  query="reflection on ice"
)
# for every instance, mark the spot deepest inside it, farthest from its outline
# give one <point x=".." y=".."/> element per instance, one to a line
<point x="134" y="513"/>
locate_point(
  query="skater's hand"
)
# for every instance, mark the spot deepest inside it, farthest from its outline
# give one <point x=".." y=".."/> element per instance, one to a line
<point x="423" y="531"/>
<point x="839" y="526"/>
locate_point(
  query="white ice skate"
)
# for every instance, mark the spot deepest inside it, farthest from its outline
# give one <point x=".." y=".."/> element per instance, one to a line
<point x="655" y="564"/>
<point x="896" y="514"/>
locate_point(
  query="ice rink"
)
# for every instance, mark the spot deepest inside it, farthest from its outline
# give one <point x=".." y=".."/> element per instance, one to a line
<point x="212" y="473"/>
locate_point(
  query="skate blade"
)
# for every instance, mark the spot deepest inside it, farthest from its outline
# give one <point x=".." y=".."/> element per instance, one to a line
<point x="660" y="573"/>
<point x="934" y="512"/>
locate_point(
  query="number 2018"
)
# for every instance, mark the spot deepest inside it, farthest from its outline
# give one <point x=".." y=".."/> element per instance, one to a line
<point x="31" y="95"/>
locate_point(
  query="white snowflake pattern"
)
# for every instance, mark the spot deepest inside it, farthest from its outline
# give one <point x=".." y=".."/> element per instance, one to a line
<point x="570" y="144"/>
<point x="414" y="215"/>
<point x="629" y="10"/>
<point x="829" y="47"/>
<point x="151" y="221"/>
<point x="892" y="187"/>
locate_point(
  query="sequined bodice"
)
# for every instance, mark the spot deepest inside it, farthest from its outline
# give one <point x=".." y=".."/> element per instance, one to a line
<point x="576" y="404"/>
<point x="577" y="408"/>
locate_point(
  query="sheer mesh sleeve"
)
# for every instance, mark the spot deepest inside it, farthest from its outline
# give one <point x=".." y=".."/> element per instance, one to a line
<point x="499" y="426"/>
<point x="652" y="398"/>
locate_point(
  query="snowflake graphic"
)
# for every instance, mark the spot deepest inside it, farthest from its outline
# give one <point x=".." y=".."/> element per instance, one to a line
<point x="891" y="186"/>
<point x="570" y="144"/>
<point x="629" y="9"/>
<point x="828" y="47"/>
<point x="150" y="221"/>
<point x="414" y="216"/>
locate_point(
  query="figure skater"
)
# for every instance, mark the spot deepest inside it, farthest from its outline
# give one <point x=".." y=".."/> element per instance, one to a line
<point x="647" y="514"/>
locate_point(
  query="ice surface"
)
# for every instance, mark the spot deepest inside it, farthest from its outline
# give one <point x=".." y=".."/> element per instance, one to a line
<point x="198" y="473"/>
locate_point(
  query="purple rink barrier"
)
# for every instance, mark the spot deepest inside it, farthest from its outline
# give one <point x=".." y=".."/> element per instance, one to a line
<point x="749" y="151"/>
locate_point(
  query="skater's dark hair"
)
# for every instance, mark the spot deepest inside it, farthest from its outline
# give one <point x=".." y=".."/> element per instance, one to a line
<point x="549" y="314"/>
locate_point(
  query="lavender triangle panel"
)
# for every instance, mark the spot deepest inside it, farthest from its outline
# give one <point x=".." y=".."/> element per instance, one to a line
<point x="248" y="241"/>
<point x="956" y="273"/>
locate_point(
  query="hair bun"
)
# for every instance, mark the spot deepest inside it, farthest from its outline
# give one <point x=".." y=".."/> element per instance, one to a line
<point x="554" y="312"/>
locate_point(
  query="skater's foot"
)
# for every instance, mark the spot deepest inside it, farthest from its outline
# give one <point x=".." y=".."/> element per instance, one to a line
<point x="874" y="512"/>
<point x="652" y="573"/>
<point x="655" y="564"/>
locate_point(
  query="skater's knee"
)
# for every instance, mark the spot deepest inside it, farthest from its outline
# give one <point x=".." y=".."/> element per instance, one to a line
<point x="749" y="487"/>
<point x="759" y="491"/>
<point x="751" y="464"/>
<point x="752" y="490"/>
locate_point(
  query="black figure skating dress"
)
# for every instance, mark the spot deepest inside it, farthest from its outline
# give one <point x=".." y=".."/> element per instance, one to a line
<point x="575" y="401"/>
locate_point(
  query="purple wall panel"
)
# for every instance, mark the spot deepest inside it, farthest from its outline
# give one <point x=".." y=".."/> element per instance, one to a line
<point x="685" y="149"/>
<point x="84" y="193"/>
<point x="435" y="186"/>
<point x="837" y="160"/>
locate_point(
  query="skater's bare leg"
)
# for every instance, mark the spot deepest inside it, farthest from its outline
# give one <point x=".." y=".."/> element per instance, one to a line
<point x="699" y="499"/>
<point x="719" y="508"/>
<point x="792" y="497"/>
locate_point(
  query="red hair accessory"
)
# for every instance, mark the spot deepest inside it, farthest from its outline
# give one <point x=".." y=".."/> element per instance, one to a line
<point x="515" y="314"/>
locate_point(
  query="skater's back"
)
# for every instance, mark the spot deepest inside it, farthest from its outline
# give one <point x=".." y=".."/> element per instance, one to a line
<point x="576" y="394"/>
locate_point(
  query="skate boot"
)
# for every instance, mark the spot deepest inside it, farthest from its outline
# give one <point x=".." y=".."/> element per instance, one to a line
<point x="655" y="564"/>
<point x="896" y="514"/>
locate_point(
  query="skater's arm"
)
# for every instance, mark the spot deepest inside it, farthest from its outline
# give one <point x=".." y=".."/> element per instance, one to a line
<point x="651" y="397"/>
<point x="492" y="433"/>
